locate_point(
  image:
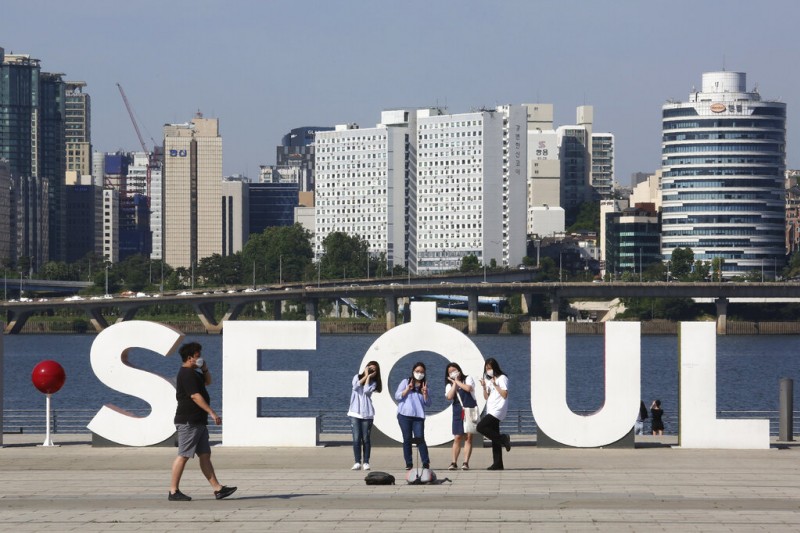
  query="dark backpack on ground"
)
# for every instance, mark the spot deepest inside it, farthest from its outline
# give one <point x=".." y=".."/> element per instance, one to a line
<point x="379" y="478"/>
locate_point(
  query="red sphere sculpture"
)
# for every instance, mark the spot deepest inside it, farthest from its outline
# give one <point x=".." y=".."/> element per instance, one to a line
<point x="48" y="377"/>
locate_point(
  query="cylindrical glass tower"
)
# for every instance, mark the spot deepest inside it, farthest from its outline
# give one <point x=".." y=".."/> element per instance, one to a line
<point x="723" y="159"/>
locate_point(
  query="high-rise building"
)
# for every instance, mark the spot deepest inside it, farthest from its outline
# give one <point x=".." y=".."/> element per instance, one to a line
<point x="157" y="209"/>
<point x="271" y="204"/>
<point x="296" y="153"/>
<point x="235" y="214"/>
<point x="5" y="212"/>
<point x="361" y="176"/>
<point x="426" y="188"/>
<point x="470" y="193"/>
<point x="723" y="161"/>
<point x="84" y="220"/>
<point x="632" y="239"/>
<point x="78" y="132"/>
<point x="111" y="225"/>
<point x="32" y="122"/>
<point x="603" y="164"/>
<point x="192" y="175"/>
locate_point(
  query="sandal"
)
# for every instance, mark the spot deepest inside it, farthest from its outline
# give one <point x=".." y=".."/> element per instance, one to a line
<point x="453" y="466"/>
<point x="465" y="466"/>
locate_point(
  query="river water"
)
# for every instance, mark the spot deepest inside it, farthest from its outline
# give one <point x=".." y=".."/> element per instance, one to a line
<point x="749" y="369"/>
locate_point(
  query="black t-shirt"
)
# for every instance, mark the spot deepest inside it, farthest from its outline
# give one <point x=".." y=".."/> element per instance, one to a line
<point x="187" y="383"/>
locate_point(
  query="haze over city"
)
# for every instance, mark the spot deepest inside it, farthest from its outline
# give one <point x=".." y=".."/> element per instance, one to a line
<point x="265" y="68"/>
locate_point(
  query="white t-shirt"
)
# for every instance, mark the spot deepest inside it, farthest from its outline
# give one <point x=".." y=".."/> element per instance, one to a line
<point x="468" y="381"/>
<point x="496" y="405"/>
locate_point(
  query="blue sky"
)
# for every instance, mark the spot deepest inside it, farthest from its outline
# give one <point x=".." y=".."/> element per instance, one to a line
<point x="263" y="67"/>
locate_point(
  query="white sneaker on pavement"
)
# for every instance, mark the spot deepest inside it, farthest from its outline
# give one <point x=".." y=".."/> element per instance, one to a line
<point x="365" y="467"/>
<point x="356" y="466"/>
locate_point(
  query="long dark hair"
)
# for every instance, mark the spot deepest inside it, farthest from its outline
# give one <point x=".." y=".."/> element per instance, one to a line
<point x="377" y="377"/>
<point x="424" y="369"/>
<point x="492" y="362"/>
<point x="461" y="375"/>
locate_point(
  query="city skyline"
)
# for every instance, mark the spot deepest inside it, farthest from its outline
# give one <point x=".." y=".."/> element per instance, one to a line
<point x="263" y="69"/>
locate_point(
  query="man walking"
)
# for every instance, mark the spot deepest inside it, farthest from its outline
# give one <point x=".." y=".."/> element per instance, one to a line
<point x="191" y="421"/>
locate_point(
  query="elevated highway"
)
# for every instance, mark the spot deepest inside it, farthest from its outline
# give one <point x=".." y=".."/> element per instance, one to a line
<point x="204" y="304"/>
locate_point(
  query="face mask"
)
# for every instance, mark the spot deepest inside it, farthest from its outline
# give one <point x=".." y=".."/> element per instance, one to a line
<point x="454" y="374"/>
<point x="490" y="373"/>
<point x="199" y="363"/>
<point x="419" y="376"/>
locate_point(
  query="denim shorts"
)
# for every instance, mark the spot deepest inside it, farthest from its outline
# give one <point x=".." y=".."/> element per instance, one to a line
<point x="192" y="439"/>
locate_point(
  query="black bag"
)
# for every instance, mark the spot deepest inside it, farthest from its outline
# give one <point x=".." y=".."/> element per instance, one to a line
<point x="379" y="478"/>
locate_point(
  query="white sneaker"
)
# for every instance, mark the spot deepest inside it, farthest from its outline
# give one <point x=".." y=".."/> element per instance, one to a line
<point x="356" y="466"/>
<point x="365" y="467"/>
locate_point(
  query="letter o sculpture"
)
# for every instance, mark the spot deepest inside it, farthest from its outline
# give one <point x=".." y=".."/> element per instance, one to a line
<point x="423" y="333"/>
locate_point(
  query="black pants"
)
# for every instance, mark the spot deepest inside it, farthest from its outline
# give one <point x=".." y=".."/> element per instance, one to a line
<point x="489" y="427"/>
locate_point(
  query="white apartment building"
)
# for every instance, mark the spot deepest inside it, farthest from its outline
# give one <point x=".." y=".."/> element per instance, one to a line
<point x="111" y="225"/>
<point x="157" y="211"/>
<point x="470" y="191"/>
<point x="603" y="164"/>
<point x="360" y="176"/>
<point x="427" y="189"/>
<point x="192" y="175"/>
<point x="544" y="171"/>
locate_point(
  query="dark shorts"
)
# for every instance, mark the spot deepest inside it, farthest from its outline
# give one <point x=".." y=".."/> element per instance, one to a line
<point x="192" y="439"/>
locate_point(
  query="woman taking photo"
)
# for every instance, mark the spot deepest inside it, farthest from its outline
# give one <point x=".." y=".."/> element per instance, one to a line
<point x="361" y="411"/>
<point x="460" y="390"/>
<point x="495" y="392"/>
<point x="412" y="397"/>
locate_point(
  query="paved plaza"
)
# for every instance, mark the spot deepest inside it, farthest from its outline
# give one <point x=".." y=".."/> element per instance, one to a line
<point x="656" y="487"/>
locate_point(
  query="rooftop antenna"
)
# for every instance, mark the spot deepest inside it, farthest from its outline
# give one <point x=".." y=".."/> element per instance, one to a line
<point x="724" y="67"/>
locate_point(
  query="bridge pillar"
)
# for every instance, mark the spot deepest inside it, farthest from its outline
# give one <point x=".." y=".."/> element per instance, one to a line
<point x="526" y="302"/>
<point x="406" y="310"/>
<point x="391" y="312"/>
<point x="722" y="316"/>
<point x="205" y="312"/>
<point x="15" y="321"/>
<point x="472" y="314"/>
<point x="97" y="319"/>
<point x="277" y="308"/>
<point x="311" y="309"/>
<point x="555" y="303"/>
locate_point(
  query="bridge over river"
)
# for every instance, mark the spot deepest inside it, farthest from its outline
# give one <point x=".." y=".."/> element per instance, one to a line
<point x="234" y="301"/>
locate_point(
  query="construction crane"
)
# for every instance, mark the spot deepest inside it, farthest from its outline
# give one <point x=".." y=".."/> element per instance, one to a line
<point x="133" y="120"/>
<point x="151" y="155"/>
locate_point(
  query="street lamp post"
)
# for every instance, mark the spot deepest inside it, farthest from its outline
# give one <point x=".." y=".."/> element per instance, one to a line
<point x="560" y="276"/>
<point x="162" y="274"/>
<point x="280" y="268"/>
<point x="106" y="278"/>
<point x="319" y="267"/>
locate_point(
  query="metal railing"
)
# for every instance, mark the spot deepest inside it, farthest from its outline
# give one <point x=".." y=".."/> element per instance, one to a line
<point x="517" y="422"/>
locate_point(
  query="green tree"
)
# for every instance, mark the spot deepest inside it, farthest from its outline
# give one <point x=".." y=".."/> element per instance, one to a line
<point x="716" y="268"/>
<point x="344" y="256"/>
<point x="587" y="218"/>
<point x="279" y="253"/>
<point x="681" y="262"/>
<point x="470" y="263"/>
<point x="216" y="270"/>
<point x="702" y="271"/>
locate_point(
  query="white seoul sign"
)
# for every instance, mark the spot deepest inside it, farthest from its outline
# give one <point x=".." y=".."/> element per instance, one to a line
<point x="243" y="384"/>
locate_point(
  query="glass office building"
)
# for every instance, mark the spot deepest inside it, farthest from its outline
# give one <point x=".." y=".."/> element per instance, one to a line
<point x="723" y="162"/>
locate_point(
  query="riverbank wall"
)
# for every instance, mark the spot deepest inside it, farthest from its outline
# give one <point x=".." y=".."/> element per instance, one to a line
<point x="377" y="327"/>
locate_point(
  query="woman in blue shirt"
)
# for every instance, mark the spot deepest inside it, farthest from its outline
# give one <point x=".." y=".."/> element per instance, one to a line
<point x="361" y="411"/>
<point x="412" y="397"/>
